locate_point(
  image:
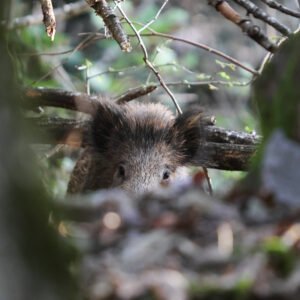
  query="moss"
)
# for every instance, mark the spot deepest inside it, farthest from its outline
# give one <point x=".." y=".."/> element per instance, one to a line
<point x="276" y="93"/>
<point x="240" y="291"/>
<point x="280" y="257"/>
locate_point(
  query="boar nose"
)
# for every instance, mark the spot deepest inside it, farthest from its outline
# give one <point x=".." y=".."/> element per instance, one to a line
<point x="137" y="188"/>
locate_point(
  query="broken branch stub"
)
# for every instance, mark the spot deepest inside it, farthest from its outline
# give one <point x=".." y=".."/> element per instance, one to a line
<point x="49" y="18"/>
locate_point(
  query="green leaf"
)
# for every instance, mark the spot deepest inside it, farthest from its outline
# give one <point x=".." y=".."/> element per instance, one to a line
<point x="224" y="75"/>
<point x="212" y="87"/>
<point x="224" y="65"/>
<point x="203" y="76"/>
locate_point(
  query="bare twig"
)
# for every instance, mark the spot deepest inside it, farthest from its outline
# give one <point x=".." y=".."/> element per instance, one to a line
<point x="44" y="76"/>
<point x="282" y="8"/>
<point x="135" y="93"/>
<point x="245" y="24"/>
<point x="53" y="151"/>
<point x="208" y="180"/>
<point x="211" y="83"/>
<point x="146" y="58"/>
<point x="195" y="44"/>
<point x="155" y="18"/>
<point x="64" y="12"/>
<point x="262" y="15"/>
<point x="209" y="80"/>
<point x="202" y="46"/>
<point x="112" y="22"/>
<point x="81" y="102"/>
<point x="81" y="45"/>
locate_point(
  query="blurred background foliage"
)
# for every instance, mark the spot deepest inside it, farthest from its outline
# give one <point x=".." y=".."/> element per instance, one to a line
<point x="82" y="59"/>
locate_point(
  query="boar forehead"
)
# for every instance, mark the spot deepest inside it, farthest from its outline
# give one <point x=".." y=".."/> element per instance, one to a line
<point x="149" y="156"/>
<point x="146" y="133"/>
<point x="146" y="123"/>
<point x="144" y="146"/>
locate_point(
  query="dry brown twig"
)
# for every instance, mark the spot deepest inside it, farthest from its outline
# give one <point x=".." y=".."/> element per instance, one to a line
<point x="260" y="14"/>
<point x="111" y="22"/>
<point x="64" y="12"/>
<point x="85" y="43"/>
<point x="246" y="24"/>
<point x="135" y="93"/>
<point x="204" y="47"/>
<point x="282" y="8"/>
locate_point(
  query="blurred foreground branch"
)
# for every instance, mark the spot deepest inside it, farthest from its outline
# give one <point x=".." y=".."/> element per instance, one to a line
<point x="35" y="262"/>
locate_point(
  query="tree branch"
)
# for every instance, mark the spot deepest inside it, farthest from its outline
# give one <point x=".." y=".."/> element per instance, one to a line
<point x="135" y="93"/>
<point x="64" y="12"/>
<point x="36" y="97"/>
<point x="81" y="102"/>
<point x="222" y="149"/>
<point x="49" y="18"/>
<point x="282" y="8"/>
<point x="202" y="46"/>
<point x="112" y="23"/>
<point x="262" y="15"/>
<point x="247" y="26"/>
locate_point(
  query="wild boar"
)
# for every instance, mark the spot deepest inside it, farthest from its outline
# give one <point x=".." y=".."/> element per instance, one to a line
<point x="136" y="147"/>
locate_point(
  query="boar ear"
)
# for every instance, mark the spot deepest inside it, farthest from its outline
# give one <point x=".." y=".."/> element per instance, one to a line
<point x="188" y="129"/>
<point x="107" y="119"/>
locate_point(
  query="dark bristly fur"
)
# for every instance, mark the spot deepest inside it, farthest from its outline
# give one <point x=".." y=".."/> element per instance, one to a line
<point x="136" y="147"/>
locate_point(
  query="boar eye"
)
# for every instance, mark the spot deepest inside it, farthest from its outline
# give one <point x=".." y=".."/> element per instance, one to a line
<point x="121" y="171"/>
<point x="166" y="175"/>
